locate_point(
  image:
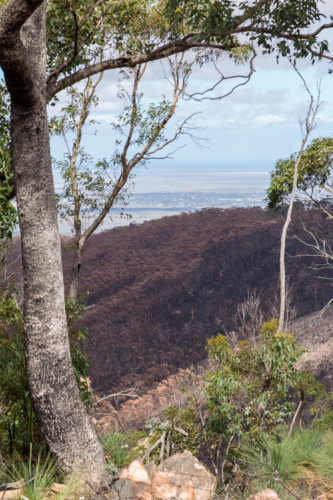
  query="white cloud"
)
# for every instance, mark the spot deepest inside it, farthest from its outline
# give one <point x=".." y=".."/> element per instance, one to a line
<point x="265" y="119"/>
<point x="323" y="118"/>
<point x="254" y="96"/>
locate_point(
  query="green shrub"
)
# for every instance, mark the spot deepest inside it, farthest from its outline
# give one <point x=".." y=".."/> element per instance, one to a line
<point x="18" y="425"/>
<point x="121" y="447"/>
<point x="37" y="477"/>
<point x="296" y="462"/>
<point x="248" y="393"/>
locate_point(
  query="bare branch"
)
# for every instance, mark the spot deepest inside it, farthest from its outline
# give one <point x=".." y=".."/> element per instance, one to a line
<point x="256" y="29"/>
<point x="309" y="125"/>
<point x="129" y="393"/>
<point x="159" y="441"/>
<point x="222" y="79"/>
<point x="294" y="418"/>
<point x="278" y="479"/>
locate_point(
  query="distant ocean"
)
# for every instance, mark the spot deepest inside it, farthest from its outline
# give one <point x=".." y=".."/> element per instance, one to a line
<point x="170" y="189"/>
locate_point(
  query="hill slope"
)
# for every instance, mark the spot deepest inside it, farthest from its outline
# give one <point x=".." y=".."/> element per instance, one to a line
<point x="160" y="289"/>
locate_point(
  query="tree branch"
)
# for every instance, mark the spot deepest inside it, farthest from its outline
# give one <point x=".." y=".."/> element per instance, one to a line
<point x="252" y="27"/>
<point x="165" y="50"/>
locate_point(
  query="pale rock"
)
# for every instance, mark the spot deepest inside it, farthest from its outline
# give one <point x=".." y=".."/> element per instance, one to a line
<point x="265" y="495"/>
<point x="187" y="492"/>
<point x="57" y="487"/>
<point x="11" y="494"/>
<point x="136" y="472"/>
<point x="146" y="496"/>
<point x="180" y="476"/>
<point x="186" y="472"/>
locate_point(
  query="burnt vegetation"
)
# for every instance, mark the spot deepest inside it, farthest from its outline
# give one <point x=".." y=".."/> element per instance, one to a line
<point x="160" y="289"/>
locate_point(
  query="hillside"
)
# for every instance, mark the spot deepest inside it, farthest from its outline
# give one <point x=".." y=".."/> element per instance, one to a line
<point x="313" y="331"/>
<point x="159" y="290"/>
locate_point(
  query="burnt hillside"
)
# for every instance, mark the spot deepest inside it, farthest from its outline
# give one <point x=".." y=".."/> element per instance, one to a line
<point x="161" y="288"/>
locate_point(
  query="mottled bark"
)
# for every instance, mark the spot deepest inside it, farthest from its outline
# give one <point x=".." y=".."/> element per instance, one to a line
<point x="60" y="412"/>
<point x="74" y="286"/>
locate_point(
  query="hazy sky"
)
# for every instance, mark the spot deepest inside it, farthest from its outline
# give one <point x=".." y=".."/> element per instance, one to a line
<point x="250" y="129"/>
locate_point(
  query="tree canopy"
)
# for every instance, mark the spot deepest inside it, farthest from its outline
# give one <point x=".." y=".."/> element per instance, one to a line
<point x="134" y="32"/>
<point x="314" y="171"/>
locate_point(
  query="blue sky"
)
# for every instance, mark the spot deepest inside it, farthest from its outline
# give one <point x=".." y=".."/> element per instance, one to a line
<point x="248" y="131"/>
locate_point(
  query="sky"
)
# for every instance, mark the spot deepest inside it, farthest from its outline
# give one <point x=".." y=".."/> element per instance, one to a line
<point x="246" y="132"/>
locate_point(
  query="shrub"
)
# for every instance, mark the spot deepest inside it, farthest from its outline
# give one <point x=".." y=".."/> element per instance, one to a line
<point x="248" y="393"/>
<point x="298" y="462"/>
<point x="121" y="448"/>
<point x="18" y="425"/>
<point x="37" y="477"/>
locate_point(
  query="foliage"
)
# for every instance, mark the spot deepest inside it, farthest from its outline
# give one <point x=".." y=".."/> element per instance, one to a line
<point x="248" y="393"/>
<point x="88" y="184"/>
<point x="120" y="447"/>
<point x="216" y="21"/>
<point x="301" y="462"/>
<point x="127" y="28"/>
<point x="313" y="172"/>
<point x="181" y="432"/>
<point x="146" y="121"/>
<point x="14" y="393"/>
<point x="37" y="476"/>
<point x="77" y="337"/>
<point x="18" y="425"/>
<point x="8" y="213"/>
<point x="92" y="188"/>
<point x="186" y="420"/>
<point x="248" y="403"/>
<point x="78" y="32"/>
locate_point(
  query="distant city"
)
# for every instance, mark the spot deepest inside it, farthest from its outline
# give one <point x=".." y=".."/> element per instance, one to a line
<point x="143" y="207"/>
<point x="195" y="200"/>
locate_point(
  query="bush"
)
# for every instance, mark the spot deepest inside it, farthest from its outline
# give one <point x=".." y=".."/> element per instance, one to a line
<point x="248" y="394"/>
<point x="300" y="462"/>
<point x="18" y="425"/>
<point x="121" y="448"/>
<point x="36" y="478"/>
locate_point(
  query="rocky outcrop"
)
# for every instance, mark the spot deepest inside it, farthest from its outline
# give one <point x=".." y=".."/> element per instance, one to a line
<point x="181" y="477"/>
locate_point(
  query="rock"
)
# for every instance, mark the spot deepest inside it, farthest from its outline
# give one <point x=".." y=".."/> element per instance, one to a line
<point x="265" y="495"/>
<point x="134" y="482"/>
<point x="180" y="476"/>
<point x="11" y="494"/>
<point x="136" y="472"/>
<point x="57" y="487"/>
<point x="192" y="479"/>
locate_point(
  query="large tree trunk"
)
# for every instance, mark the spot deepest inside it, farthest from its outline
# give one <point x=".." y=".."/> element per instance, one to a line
<point x="56" y="400"/>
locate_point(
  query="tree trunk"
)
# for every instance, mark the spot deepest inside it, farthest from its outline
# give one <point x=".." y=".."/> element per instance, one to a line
<point x="74" y="286"/>
<point x="56" y="400"/>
